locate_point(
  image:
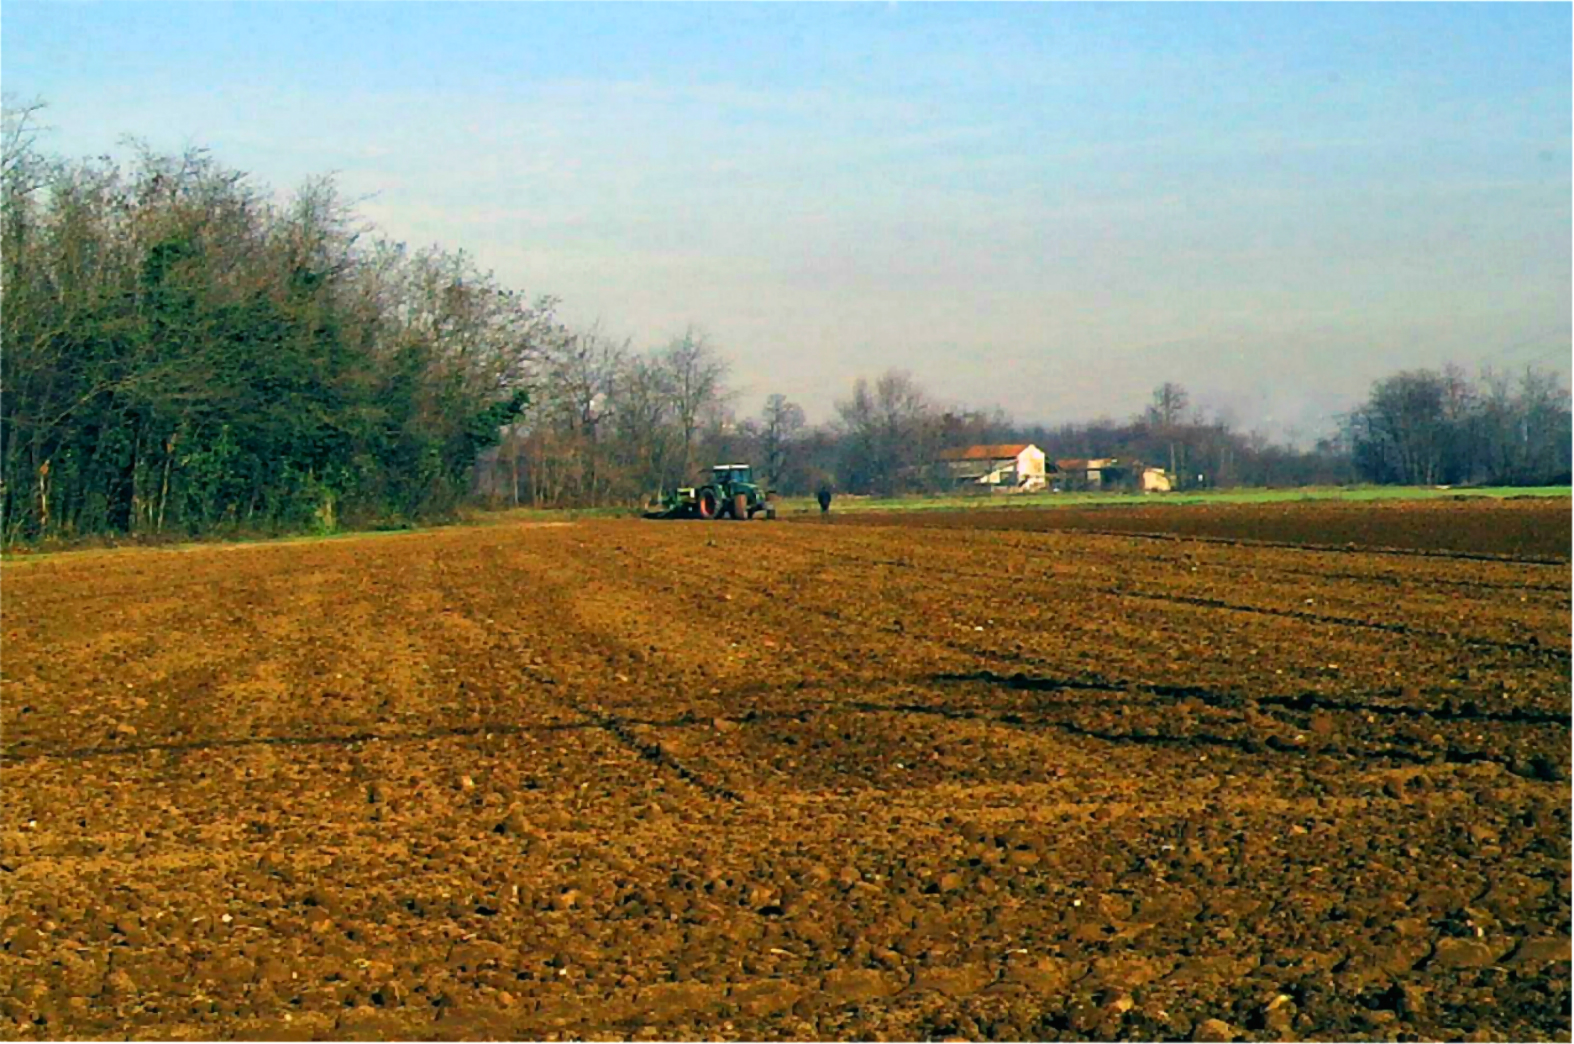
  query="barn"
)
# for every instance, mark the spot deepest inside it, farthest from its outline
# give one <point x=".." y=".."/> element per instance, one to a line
<point x="1112" y="473"/>
<point x="1006" y="466"/>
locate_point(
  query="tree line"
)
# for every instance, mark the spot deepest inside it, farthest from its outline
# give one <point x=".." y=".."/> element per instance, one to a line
<point x="1438" y="427"/>
<point x="186" y="353"/>
<point x="612" y="426"/>
<point x="607" y="425"/>
<point x="183" y="354"/>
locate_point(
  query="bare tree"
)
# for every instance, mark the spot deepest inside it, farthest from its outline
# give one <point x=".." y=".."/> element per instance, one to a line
<point x="694" y="374"/>
<point x="781" y="423"/>
<point x="1544" y="403"/>
<point x="647" y="443"/>
<point x="1522" y="427"/>
<point x="577" y="390"/>
<point x="1400" y="434"/>
<point x="888" y="432"/>
<point x="1165" y="416"/>
<point x="1430" y="427"/>
<point x="19" y="131"/>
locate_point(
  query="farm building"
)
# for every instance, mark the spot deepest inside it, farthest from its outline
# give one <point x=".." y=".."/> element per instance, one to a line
<point x="1112" y="473"/>
<point x="1018" y="466"/>
<point x="1155" y="480"/>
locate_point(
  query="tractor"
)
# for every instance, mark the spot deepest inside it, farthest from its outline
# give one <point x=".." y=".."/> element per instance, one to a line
<point x="731" y="491"/>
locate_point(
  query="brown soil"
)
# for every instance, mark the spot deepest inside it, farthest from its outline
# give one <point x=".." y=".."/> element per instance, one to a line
<point x="1517" y="527"/>
<point x="696" y="780"/>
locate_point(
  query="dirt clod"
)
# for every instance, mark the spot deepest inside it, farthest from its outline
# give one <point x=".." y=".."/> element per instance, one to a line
<point x="1213" y="1030"/>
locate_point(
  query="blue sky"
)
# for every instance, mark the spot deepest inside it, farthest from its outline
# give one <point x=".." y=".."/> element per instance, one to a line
<point x="1050" y="208"/>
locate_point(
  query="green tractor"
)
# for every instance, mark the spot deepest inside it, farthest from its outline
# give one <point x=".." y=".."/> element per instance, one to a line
<point x="731" y="492"/>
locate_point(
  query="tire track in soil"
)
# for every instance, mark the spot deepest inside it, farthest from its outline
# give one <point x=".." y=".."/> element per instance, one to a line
<point x="656" y="573"/>
<point x="185" y="661"/>
<point x="1542" y="771"/>
<point x="1409" y="552"/>
<point x="266" y="570"/>
<point x="1248" y="745"/>
<point x="1062" y="581"/>
<point x="1452" y="754"/>
<point x="1040" y="542"/>
<point x="612" y="725"/>
<point x="1533" y="649"/>
<point x="1032" y="539"/>
<point x="273" y="563"/>
<point x="990" y="654"/>
<point x="1200" y="602"/>
<point x="349" y="740"/>
<point x="654" y="753"/>
<point x="1279" y="707"/>
<point x="1306" y="701"/>
<point x="1478" y="515"/>
<point x="452" y="591"/>
<point x="1254" y="572"/>
<point x="653" y="672"/>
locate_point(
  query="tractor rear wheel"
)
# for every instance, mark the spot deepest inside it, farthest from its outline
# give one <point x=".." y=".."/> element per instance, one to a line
<point x="740" y="507"/>
<point x="707" y="505"/>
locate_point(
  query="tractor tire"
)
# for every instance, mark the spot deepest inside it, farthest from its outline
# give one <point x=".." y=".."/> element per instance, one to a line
<point x="707" y="506"/>
<point x="740" y="507"/>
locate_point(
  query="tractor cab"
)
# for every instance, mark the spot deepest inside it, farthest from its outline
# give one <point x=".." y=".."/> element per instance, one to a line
<point x="729" y="474"/>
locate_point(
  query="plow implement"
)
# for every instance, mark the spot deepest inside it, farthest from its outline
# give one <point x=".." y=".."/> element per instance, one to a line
<point x="665" y="510"/>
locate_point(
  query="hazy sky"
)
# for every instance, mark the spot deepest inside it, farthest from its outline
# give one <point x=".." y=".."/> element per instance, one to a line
<point x="1049" y="208"/>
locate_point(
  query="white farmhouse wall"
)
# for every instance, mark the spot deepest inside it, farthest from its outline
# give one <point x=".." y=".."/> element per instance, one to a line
<point x="1030" y="464"/>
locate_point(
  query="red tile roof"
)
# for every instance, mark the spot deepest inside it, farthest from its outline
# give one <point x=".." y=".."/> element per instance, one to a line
<point x="1000" y="452"/>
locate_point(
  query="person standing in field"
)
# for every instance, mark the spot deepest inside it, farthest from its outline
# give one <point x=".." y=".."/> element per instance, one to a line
<point x="824" y="497"/>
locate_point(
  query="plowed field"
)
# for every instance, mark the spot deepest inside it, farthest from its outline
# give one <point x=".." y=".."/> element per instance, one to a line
<point x="677" y="780"/>
<point x="1533" y="528"/>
